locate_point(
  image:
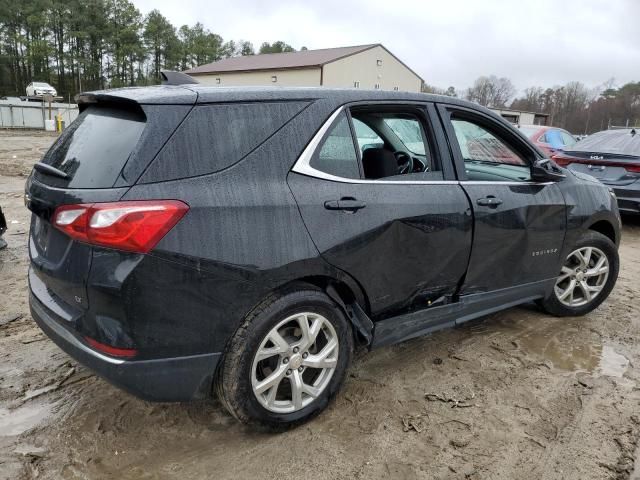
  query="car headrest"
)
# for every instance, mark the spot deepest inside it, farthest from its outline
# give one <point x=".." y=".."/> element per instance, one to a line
<point x="379" y="163"/>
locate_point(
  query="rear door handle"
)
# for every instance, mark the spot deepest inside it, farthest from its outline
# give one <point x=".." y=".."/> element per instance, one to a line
<point x="489" y="201"/>
<point x="347" y="204"/>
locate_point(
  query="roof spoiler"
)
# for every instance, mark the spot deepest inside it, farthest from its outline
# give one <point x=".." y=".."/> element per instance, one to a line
<point x="169" y="77"/>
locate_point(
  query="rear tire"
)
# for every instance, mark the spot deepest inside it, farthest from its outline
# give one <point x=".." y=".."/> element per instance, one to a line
<point x="588" y="275"/>
<point x="277" y="373"/>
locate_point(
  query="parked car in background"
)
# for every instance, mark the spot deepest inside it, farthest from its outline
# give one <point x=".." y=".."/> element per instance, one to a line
<point x="549" y="139"/>
<point x="613" y="157"/>
<point x="178" y="259"/>
<point x="39" y="89"/>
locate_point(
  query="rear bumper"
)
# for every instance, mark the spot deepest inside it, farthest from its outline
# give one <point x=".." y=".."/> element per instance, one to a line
<point x="165" y="380"/>
<point x="628" y="198"/>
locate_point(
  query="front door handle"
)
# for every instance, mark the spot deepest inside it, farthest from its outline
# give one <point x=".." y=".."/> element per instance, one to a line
<point x="348" y="204"/>
<point x="489" y="201"/>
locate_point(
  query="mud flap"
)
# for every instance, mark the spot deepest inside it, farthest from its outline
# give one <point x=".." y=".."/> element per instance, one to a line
<point x="362" y="324"/>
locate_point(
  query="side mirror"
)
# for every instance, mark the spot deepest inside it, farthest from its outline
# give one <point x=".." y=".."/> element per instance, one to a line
<point x="546" y="171"/>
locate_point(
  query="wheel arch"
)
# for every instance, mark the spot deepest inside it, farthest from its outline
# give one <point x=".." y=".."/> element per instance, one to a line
<point x="349" y="292"/>
<point x="349" y="297"/>
<point x="606" y="228"/>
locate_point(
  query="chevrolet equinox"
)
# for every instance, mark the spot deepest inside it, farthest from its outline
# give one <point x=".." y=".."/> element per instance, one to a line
<point x="187" y="240"/>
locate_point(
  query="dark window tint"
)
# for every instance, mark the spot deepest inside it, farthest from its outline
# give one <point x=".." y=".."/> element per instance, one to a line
<point x="214" y="137"/>
<point x="337" y="155"/>
<point x="93" y="150"/>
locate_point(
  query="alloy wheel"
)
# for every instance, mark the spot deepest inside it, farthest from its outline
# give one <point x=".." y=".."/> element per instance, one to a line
<point x="295" y="362"/>
<point x="583" y="276"/>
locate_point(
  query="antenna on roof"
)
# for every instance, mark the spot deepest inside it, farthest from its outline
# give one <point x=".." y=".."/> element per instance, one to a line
<point x="169" y="77"/>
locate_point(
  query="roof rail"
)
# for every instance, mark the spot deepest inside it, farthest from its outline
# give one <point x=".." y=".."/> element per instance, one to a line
<point x="169" y="77"/>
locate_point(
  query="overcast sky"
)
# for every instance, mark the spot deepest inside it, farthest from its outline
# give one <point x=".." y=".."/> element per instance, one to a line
<point x="447" y="42"/>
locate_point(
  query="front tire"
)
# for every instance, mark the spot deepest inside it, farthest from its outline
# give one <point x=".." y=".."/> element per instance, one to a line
<point x="287" y="361"/>
<point x="587" y="277"/>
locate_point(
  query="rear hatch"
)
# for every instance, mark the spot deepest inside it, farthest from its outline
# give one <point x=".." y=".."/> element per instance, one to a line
<point x="96" y="159"/>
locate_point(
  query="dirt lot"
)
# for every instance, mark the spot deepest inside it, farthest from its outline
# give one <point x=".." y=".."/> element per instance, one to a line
<point x="517" y="395"/>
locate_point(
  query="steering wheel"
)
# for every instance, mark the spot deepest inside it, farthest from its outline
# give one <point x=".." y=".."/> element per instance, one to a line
<point x="405" y="162"/>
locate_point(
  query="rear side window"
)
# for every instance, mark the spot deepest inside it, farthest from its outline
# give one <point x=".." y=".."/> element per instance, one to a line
<point x="337" y="156"/>
<point x="95" y="148"/>
<point x="214" y="137"/>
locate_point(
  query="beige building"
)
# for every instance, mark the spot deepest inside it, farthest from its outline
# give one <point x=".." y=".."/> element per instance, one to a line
<point x="364" y="66"/>
<point x="520" y="117"/>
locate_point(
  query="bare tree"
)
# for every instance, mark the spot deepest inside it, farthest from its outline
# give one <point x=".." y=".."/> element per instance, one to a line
<point x="491" y="91"/>
<point x="481" y="91"/>
<point x="503" y="91"/>
<point x="584" y="110"/>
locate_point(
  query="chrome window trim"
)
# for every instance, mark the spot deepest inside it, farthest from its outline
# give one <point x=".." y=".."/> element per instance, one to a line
<point x="508" y="182"/>
<point x="303" y="166"/>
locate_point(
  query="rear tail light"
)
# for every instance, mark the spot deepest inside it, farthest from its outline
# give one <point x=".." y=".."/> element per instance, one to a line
<point x="109" y="350"/>
<point x="135" y="226"/>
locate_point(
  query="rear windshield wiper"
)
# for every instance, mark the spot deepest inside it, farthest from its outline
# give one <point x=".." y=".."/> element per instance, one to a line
<point x="49" y="170"/>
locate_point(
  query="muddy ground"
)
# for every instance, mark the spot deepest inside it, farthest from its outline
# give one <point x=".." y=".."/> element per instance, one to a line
<point x="517" y="395"/>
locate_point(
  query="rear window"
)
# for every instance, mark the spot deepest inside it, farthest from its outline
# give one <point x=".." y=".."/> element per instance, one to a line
<point x="95" y="148"/>
<point x="619" y="142"/>
<point x="214" y="137"/>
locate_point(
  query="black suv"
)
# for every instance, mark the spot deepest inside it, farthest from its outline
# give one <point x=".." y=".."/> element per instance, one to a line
<point x="187" y="239"/>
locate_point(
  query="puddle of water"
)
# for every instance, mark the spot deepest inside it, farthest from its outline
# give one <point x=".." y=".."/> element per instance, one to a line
<point x="19" y="420"/>
<point x="559" y="347"/>
<point x="563" y="343"/>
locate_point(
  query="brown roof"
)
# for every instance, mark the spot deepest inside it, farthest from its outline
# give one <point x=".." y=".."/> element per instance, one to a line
<point x="273" y="61"/>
